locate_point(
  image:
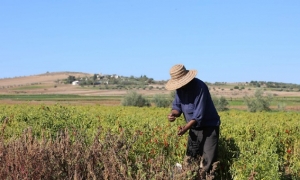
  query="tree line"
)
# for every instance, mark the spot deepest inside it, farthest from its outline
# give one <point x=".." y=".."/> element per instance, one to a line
<point x="98" y="79"/>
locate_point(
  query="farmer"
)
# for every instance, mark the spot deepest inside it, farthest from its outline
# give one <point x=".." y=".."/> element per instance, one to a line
<point x="193" y="100"/>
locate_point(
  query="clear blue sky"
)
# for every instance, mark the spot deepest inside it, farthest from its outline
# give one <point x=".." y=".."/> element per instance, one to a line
<point x="226" y="41"/>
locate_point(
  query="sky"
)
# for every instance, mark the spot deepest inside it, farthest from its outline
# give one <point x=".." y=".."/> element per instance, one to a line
<point x="225" y="41"/>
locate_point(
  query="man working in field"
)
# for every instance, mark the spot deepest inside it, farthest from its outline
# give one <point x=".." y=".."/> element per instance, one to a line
<point x="193" y="100"/>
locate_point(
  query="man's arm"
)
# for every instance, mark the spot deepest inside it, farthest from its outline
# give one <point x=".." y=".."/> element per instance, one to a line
<point x="176" y="109"/>
<point x="172" y="116"/>
<point x="187" y="127"/>
<point x="200" y="105"/>
<point x="175" y="113"/>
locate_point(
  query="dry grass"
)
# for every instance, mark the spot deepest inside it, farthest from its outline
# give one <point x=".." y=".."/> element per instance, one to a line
<point x="48" y="78"/>
<point x="69" y="156"/>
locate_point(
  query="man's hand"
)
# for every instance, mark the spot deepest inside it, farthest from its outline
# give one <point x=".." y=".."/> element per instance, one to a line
<point x="171" y="117"/>
<point x="182" y="130"/>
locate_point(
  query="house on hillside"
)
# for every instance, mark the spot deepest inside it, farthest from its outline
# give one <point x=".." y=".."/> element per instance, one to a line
<point x="114" y="76"/>
<point x="75" y="83"/>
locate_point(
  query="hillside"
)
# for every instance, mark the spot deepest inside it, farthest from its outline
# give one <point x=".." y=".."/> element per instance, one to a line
<point x="52" y="83"/>
<point x="51" y="88"/>
<point x="47" y="78"/>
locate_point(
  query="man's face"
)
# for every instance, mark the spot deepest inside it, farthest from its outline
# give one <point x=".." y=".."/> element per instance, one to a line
<point x="185" y="87"/>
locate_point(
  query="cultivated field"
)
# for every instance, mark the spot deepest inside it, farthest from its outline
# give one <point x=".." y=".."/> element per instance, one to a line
<point x="51" y="84"/>
<point x="54" y="130"/>
<point x="116" y="142"/>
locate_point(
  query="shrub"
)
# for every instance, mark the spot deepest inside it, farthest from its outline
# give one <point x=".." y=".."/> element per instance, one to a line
<point x="259" y="102"/>
<point x="161" y="101"/>
<point x="281" y="106"/>
<point x="220" y="103"/>
<point x="132" y="98"/>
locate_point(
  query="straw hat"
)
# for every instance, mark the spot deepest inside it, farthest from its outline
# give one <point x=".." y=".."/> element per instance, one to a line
<point x="180" y="77"/>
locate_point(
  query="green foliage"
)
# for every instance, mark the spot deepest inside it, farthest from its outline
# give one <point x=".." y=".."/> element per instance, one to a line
<point x="132" y="98"/>
<point x="105" y="142"/>
<point x="266" y="149"/>
<point x="161" y="100"/>
<point x="259" y="102"/>
<point x="220" y="103"/>
<point x="95" y="77"/>
<point x="70" y="79"/>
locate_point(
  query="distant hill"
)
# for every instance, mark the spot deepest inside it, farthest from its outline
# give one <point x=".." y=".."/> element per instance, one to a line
<point x="51" y="78"/>
<point x="46" y="78"/>
<point x="55" y="83"/>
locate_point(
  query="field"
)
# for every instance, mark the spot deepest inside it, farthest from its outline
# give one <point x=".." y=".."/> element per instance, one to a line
<point x="115" y="142"/>
<point x="55" y="130"/>
<point x="47" y="88"/>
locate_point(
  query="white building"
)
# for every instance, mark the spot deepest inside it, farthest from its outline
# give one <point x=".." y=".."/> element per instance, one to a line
<point x="75" y="83"/>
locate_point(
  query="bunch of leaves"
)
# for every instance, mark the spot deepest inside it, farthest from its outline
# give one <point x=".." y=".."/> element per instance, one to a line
<point x="220" y="103"/>
<point x="132" y="98"/>
<point x="161" y="100"/>
<point x="264" y="145"/>
<point x="258" y="102"/>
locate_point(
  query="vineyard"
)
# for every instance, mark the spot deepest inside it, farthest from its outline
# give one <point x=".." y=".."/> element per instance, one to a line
<point x="114" y="142"/>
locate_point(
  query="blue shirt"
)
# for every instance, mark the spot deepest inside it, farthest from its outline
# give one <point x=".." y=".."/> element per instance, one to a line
<point x="194" y="101"/>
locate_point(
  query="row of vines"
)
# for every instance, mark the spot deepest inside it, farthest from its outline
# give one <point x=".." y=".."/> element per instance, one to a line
<point x="139" y="143"/>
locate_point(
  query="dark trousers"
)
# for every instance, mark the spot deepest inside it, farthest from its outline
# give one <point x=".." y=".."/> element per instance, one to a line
<point x="204" y="142"/>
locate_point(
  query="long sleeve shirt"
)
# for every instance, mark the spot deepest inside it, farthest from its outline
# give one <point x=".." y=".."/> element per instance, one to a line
<point x="195" y="102"/>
